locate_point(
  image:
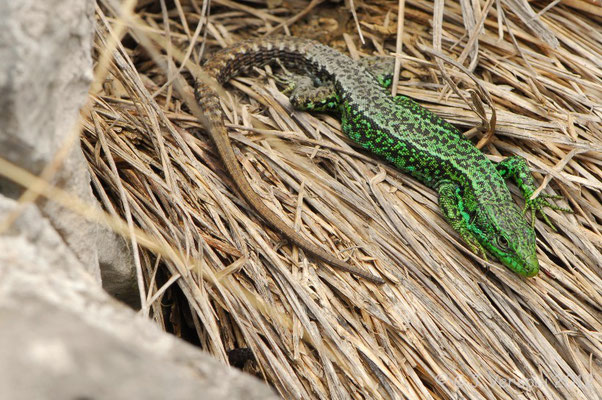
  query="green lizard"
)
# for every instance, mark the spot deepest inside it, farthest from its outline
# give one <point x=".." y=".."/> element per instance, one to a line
<point x="473" y="195"/>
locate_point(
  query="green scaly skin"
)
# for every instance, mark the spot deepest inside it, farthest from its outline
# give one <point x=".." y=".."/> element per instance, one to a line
<point x="473" y="195"/>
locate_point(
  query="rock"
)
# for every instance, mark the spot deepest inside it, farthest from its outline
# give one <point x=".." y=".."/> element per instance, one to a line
<point x="63" y="337"/>
<point x="117" y="269"/>
<point x="45" y="73"/>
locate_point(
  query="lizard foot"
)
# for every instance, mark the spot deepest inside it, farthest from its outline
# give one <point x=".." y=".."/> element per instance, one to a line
<point x="474" y="244"/>
<point x="539" y="203"/>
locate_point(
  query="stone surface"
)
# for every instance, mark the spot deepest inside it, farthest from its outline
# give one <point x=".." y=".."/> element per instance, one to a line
<point x="117" y="269"/>
<point x="63" y="337"/>
<point x="45" y="73"/>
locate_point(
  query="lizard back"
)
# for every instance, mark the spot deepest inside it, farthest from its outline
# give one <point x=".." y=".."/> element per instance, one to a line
<point x="476" y="199"/>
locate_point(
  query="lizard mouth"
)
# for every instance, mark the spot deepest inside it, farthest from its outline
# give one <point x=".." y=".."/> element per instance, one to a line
<point x="527" y="266"/>
<point x="531" y="266"/>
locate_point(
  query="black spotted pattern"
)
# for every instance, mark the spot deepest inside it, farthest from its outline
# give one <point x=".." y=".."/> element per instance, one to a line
<point x="406" y="134"/>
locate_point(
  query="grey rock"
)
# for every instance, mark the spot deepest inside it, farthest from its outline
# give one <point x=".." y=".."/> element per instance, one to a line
<point x="63" y="337"/>
<point x="116" y="268"/>
<point x="45" y="74"/>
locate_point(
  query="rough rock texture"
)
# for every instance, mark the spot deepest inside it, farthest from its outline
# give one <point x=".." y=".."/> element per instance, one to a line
<point x="63" y="337"/>
<point x="45" y="72"/>
<point x="116" y="268"/>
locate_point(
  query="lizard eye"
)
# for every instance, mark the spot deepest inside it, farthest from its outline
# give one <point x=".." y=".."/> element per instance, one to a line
<point x="502" y="242"/>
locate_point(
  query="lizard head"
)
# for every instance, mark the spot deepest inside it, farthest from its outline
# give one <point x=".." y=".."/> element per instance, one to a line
<point x="505" y="233"/>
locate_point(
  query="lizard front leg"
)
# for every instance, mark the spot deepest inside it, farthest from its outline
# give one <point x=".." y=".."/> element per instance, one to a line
<point x="453" y="208"/>
<point x="516" y="168"/>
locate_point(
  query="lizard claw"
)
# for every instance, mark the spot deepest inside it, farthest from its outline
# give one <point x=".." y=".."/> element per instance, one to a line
<point x="289" y="87"/>
<point x="287" y="82"/>
<point x="539" y="203"/>
<point x="474" y="245"/>
<point x="480" y="250"/>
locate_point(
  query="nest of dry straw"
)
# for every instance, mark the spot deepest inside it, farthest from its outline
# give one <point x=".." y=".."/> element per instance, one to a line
<point x="447" y="324"/>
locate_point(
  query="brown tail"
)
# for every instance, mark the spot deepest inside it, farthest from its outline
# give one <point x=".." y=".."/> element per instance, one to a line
<point x="213" y="120"/>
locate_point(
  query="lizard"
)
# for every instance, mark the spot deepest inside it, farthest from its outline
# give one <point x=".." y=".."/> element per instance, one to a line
<point x="472" y="191"/>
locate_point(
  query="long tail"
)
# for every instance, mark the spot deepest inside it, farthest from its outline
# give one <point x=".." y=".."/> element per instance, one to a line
<point x="209" y="101"/>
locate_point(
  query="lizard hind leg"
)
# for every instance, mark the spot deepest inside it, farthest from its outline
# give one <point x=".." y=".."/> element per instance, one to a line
<point x="516" y="168"/>
<point x="311" y="94"/>
<point x="305" y="95"/>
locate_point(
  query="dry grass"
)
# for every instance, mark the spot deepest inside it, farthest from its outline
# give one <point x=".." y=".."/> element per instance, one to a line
<point x="448" y="324"/>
